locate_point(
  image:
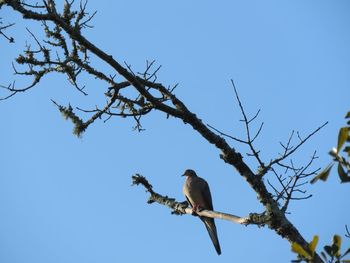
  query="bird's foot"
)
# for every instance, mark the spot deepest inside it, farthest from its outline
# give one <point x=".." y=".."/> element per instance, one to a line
<point x="195" y="209"/>
<point x="199" y="209"/>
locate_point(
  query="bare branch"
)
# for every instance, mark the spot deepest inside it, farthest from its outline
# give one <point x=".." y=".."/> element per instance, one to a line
<point x="292" y="181"/>
<point x="226" y="135"/>
<point x="180" y="208"/>
<point x="3" y="28"/>
<point x="141" y="92"/>
<point x="33" y="6"/>
<point x="255" y="153"/>
<point x="258" y="132"/>
<point x="289" y="151"/>
<point x="150" y="76"/>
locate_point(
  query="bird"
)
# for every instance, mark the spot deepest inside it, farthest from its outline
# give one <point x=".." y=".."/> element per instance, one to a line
<point x="197" y="193"/>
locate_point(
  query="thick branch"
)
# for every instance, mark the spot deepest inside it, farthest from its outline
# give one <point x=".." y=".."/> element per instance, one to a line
<point x="278" y="221"/>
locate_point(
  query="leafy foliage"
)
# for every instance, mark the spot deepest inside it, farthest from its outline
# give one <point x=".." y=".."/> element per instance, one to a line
<point x="331" y="253"/>
<point x="343" y="168"/>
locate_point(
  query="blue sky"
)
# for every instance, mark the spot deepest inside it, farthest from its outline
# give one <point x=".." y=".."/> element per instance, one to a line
<point x="68" y="199"/>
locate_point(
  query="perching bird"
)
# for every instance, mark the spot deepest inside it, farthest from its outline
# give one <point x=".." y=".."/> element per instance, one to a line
<point x="198" y="195"/>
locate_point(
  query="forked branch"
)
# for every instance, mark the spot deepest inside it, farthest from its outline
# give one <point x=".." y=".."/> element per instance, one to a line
<point x="2" y="31"/>
<point x="135" y="95"/>
<point x="288" y="150"/>
<point x="247" y="122"/>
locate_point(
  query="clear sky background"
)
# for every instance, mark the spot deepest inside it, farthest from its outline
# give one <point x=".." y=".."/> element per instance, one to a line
<point x="68" y="199"/>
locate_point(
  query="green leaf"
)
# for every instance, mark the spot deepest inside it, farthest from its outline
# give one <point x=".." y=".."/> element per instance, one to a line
<point x="347" y="115"/>
<point x="342" y="136"/>
<point x="336" y="245"/>
<point x="342" y="174"/>
<point x="323" y="175"/>
<point x="336" y="250"/>
<point x="313" y="244"/>
<point x="296" y="248"/>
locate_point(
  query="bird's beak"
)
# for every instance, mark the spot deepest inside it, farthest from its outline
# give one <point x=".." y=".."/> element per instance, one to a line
<point x="183" y="175"/>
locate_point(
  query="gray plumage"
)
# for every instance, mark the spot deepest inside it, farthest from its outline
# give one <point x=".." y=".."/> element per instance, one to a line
<point x="198" y="195"/>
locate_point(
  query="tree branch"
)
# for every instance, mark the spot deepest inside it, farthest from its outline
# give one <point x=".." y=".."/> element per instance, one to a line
<point x="290" y="150"/>
<point x="250" y="141"/>
<point x="166" y="102"/>
<point x="181" y="208"/>
<point x="3" y="28"/>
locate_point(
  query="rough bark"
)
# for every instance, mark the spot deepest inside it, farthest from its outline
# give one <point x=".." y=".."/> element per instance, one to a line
<point x="277" y="220"/>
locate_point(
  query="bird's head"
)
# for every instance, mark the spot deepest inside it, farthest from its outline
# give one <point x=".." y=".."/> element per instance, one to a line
<point x="190" y="173"/>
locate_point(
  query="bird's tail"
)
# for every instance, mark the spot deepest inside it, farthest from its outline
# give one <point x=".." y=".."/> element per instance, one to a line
<point x="211" y="228"/>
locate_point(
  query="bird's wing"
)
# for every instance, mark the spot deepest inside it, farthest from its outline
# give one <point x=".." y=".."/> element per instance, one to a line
<point x="209" y="222"/>
<point x="186" y="191"/>
<point x="205" y="191"/>
<point x="188" y="200"/>
<point x="198" y="192"/>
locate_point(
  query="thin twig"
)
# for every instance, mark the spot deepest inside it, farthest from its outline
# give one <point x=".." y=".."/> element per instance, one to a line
<point x="226" y="135"/>
<point x="290" y="151"/>
<point x="255" y="153"/>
